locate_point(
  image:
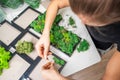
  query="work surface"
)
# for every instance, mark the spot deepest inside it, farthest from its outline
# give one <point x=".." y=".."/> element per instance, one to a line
<point x="75" y="63"/>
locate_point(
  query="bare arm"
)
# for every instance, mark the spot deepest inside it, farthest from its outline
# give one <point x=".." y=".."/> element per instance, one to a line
<point x="43" y="44"/>
<point x="52" y="10"/>
<point x="113" y="68"/>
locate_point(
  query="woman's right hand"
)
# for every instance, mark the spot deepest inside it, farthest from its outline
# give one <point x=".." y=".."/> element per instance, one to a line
<point x="43" y="46"/>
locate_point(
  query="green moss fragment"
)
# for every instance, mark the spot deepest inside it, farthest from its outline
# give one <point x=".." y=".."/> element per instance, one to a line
<point x="11" y="3"/>
<point x="59" y="61"/>
<point x="71" y="21"/>
<point x="4" y="58"/>
<point x="62" y="62"/>
<point x="84" y="46"/>
<point x="33" y="3"/>
<point x="24" y="47"/>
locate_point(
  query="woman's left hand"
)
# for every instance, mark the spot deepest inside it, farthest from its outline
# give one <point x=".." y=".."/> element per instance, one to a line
<point x="50" y="73"/>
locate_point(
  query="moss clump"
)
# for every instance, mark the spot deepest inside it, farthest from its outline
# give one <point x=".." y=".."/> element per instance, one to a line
<point x="84" y="45"/>
<point x="59" y="61"/>
<point x="4" y="58"/>
<point x="24" y="47"/>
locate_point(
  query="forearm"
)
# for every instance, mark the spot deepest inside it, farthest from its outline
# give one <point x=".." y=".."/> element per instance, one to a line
<point x="61" y="77"/>
<point x="113" y="68"/>
<point x="58" y="76"/>
<point x="64" y="78"/>
<point x="51" y="13"/>
<point x="50" y="16"/>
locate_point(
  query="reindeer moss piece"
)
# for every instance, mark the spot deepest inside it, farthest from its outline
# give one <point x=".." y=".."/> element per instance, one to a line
<point x="84" y="46"/>
<point x="4" y="58"/>
<point x="24" y="47"/>
<point x="59" y="61"/>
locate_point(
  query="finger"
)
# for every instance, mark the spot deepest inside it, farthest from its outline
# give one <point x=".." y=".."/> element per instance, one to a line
<point x="47" y="66"/>
<point x="52" y="65"/>
<point x="41" y="50"/>
<point x="45" y="53"/>
<point x="49" y="53"/>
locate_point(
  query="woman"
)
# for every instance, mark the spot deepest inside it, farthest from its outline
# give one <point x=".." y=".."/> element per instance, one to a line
<point x="103" y="20"/>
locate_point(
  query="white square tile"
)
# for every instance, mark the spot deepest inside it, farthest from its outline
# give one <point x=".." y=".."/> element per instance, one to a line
<point x="8" y="33"/>
<point x="17" y="67"/>
<point x="26" y="18"/>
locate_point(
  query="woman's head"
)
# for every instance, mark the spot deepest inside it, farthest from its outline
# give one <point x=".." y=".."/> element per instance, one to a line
<point x="97" y="11"/>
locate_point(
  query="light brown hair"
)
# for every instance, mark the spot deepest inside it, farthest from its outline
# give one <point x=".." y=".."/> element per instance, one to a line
<point x="104" y="11"/>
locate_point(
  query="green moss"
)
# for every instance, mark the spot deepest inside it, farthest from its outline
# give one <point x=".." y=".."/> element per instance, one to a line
<point x="71" y="21"/>
<point x="4" y="58"/>
<point x="59" y="61"/>
<point x="84" y="45"/>
<point x="58" y="19"/>
<point x="16" y="3"/>
<point x="11" y="3"/>
<point x="1" y="70"/>
<point x="33" y="3"/>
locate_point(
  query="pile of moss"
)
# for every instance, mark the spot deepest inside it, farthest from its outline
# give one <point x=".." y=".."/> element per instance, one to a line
<point x="84" y="45"/>
<point x="11" y="3"/>
<point x="33" y="3"/>
<point x="24" y="47"/>
<point x="4" y="58"/>
<point x="59" y="61"/>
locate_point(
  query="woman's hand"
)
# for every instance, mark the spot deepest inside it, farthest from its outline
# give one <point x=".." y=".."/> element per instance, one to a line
<point x="43" y="46"/>
<point x="50" y="73"/>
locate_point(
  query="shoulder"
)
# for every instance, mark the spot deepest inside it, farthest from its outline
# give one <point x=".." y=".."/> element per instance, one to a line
<point x="111" y="26"/>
